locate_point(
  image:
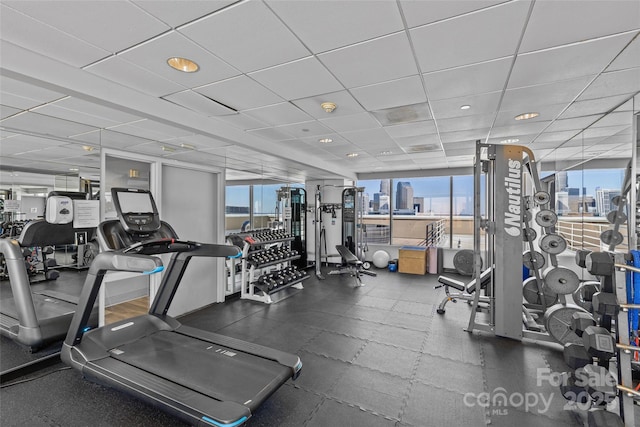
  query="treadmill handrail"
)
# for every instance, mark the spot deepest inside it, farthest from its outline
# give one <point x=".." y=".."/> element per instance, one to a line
<point x="101" y="264"/>
<point x="20" y="286"/>
<point x="178" y="265"/>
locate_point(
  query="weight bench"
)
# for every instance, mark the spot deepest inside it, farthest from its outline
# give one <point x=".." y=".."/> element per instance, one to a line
<point x="351" y="265"/>
<point x="466" y="291"/>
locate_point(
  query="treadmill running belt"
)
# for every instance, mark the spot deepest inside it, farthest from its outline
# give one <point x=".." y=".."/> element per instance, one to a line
<point x="219" y="372"/>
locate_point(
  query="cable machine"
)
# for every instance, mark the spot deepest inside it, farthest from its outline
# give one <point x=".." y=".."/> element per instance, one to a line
<point x="293" y="202"/>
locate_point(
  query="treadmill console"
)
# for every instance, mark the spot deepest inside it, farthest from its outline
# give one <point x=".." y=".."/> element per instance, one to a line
<point x="136" y="210"/>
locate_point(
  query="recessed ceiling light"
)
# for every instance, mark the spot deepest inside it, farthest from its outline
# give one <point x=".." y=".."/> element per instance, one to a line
<point x="88" y="148"/>
<point x="465" y="107"/>
<point x="74" y="169"/>
<point x="526" y="116"/>
<point x="325" y="140"/>
<point x="328" y="106"/>
<point x="183" y="64"/>
<point x="385" y="153"/>
<point x="352" y="154"/>
<point x="168" y="149"/>
<point x="509" y="141"/>
<point x="188" y="146"/>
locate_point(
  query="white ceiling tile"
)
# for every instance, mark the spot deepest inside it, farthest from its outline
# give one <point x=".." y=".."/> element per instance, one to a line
<point x="420" y="12"/>
<point x="336" y="139"/>
<point x="325" y="25"/>
<point x="88" y="160"/>
<point x="178" y="12"/>
<point x="112" y="139"/>
<point x="358" y="121"/>
<point x="90" y="138"/>
<point x="240" y="93"/>
<point x="525" y="99"/>
<point x="393" y="93"/>
<point x="345" y="105"/>
<point x="369" y="136"/>
<point x="51" y="153"/>
<point x="477" y="37"/>
<point x="629" y="58"/>
<point x="111" y="25"/>
<point x="125" y="73"/>
<point x="475" y="121"/>
<point x="25" y="95"/>
<point x="242" y="121"/>
<point x="39" y="123"/>
<point x="480" y="104"/>
<point x="370" y="62"/>
<point x="594" y="106"/>
<point x="25" y="143"/>
<point x="273" y="134"/>
<point x="7" y="111"/>
<point x="473" y="79"/>
<point x="577" y="123"/>
<point x="517" y="129"/>
<point x="279" y="114"/>
<point x="614" y="83"/>
<point x="466" y="135"/>
<point x="424" y="127"/>
<point x="164" y="131"/>
<point x="566" y="62"/>
<point x="298" y="79"/>
<point x="197" y="157"/>
<point x="310" y="128"/>
<point x="150" y="130"/>
<point x="248" y="36"/>
<point x="78" y="110"/>
<point x="44" y="39"/>
<point x="605" y="132"/>
<point x="555" y="137"/>
<point x="615" y="119"/>
<point x="152" y="148"/>
<point x="199" y="142"/>
<point x="153" y="56"/>
<point x="554" y="23"/>
<point x="417" y="140"/>
<point x="198" y="102"/>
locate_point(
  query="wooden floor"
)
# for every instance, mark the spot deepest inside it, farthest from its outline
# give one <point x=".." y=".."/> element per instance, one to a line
<point x="126" y="310"/>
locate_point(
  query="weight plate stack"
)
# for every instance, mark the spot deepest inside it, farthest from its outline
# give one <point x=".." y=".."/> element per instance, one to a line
<point x="561" y="280"/>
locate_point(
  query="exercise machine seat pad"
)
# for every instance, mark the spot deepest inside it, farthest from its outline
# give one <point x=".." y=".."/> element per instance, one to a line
<point x="347" y="255"/>
<point x="470" y="288"/>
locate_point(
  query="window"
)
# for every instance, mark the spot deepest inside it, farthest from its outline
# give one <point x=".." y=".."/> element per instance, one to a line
<point x="376" y="214"/>
<point x="421" y="206"/>
<point x="237" y="213"/>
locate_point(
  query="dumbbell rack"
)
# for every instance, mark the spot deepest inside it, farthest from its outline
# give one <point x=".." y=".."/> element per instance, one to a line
<point x="261" y="256"/>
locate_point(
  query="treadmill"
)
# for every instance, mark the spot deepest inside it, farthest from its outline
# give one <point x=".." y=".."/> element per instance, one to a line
<point x="201" y="377"/>
<point x="39" y="317"/>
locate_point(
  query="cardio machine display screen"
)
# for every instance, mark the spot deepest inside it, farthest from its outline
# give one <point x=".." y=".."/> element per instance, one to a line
<point x="135" y="202"/>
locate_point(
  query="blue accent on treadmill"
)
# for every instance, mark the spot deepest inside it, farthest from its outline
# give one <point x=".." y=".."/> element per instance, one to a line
<point x="238" y="255"/>
<point x="299" y="365"/>
<point x="88" y="328"/>
<point x="155" y="270"/>
<point x="215" y="423"/>
<point x="633" y="285"/>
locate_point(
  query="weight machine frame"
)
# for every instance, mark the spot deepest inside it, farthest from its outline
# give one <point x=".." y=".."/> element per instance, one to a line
<point x="506" y="202"/>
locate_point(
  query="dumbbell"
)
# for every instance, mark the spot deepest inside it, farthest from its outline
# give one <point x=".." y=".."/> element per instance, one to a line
<point x="581" y="257"/>
<point x="576" y="355"/>
<point x="599" y="342"/>
<point x="599" y="264"/>
<point x="583" y="296"/>
<point x="605" y="303"/>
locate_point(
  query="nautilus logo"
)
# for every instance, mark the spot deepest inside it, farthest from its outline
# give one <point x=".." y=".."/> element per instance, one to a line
<point x="513" y="187"/>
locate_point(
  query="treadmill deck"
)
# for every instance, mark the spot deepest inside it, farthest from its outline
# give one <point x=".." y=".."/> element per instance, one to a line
<point x="216" y="371"/>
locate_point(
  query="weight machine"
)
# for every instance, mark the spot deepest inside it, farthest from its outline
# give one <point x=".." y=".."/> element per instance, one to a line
<point x="514" y="196"/>
<point x="353" y="231"/>
<point x="293" y="204"/>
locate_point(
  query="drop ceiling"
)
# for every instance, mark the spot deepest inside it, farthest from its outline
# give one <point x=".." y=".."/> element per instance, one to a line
<point x="94" y="74"/>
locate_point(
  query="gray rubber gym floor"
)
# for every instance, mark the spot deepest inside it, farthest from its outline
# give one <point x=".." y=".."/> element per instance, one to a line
<point x="373" y="356"/>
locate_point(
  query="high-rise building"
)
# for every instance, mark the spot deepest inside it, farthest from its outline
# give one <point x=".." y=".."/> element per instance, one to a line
<point x="562" y="181"/>
<point x="604" y="205"/>
<point x="384" y="186"/>
<point x="404" y="195"/>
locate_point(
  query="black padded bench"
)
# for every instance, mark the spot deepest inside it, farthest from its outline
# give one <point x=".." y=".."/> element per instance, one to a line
<point x="466" y="291"/>
<point x="351" y="265"/>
